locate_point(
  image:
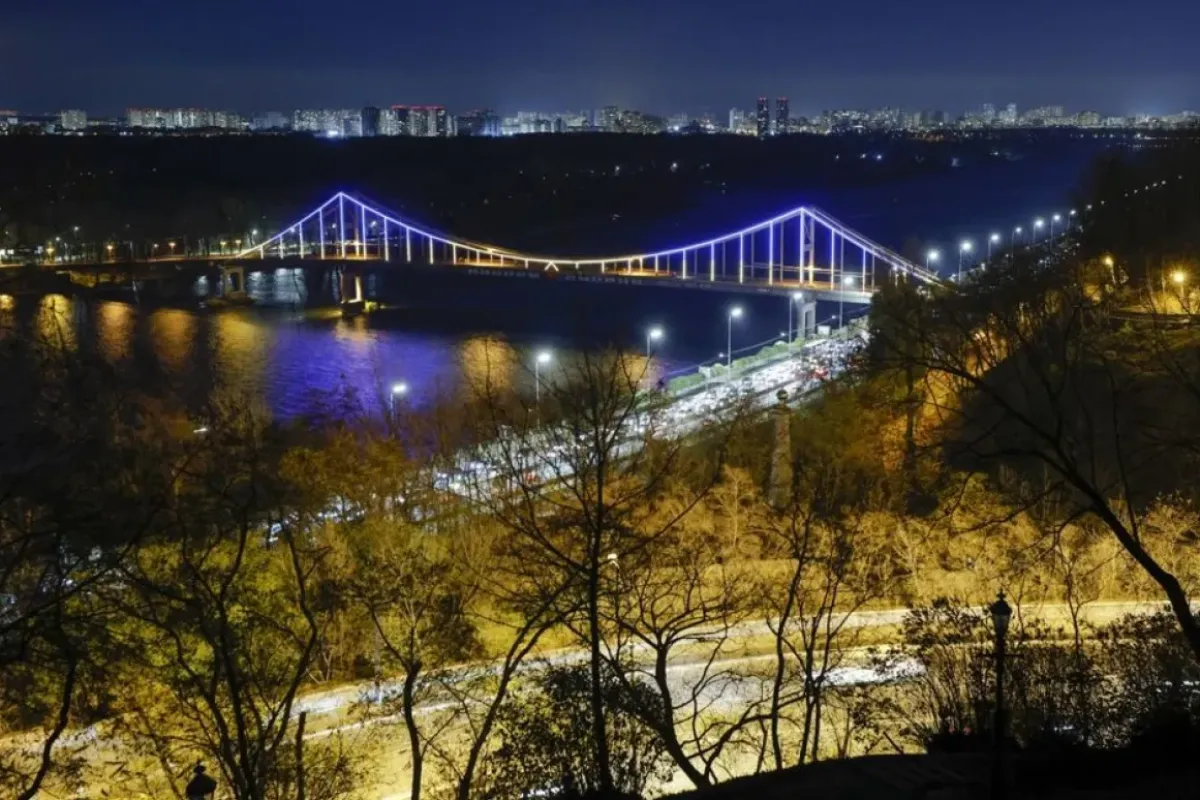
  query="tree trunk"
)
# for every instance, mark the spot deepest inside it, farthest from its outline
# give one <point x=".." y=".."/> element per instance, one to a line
<point x="780" y="661"/>
<point x="410" y="723"/>
<point x="300" y="788"/>
<point x="599" y="732"/>
<point x="666" y="725"/>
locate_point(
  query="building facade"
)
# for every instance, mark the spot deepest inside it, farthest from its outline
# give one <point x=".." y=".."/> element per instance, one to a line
<point x="782" y="115"/>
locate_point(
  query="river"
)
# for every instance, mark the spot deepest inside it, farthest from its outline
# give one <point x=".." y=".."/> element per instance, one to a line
<point x="443" y="329"/>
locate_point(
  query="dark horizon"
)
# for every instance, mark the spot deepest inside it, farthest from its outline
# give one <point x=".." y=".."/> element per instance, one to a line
<point x="673" y="57"/>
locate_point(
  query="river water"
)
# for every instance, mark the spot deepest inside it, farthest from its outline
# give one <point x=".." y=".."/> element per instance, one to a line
<point x="443" y="329"/>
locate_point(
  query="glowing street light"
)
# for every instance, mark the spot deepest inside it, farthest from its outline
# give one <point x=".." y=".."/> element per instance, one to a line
<point x="653" y="335"/>
<point x="1038" y="224"/>
<point x="399" y="389"/>
<point x="847" y="282"/>
<point x="963" y="248"/>
<point x="172" y="246"/>
<point x="1053" y="221"/>
<point x="994" y="239"/>
<point x="932" y="258"/>
<point x="734" y="313"/>
<point x="543" y="357"/>
<point x="1179" y="277"/>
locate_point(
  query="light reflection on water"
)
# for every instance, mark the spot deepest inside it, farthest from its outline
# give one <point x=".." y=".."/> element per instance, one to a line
<point x="288" y="358"/>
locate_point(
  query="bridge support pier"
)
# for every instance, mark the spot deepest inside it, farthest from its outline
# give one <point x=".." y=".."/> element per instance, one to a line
<point x="807" y="320"/>
<point x="353" y="302"/>
<point x="233" y="280"/>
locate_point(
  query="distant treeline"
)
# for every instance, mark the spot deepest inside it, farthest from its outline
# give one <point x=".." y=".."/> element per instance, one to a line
<point x="536" y="192"/>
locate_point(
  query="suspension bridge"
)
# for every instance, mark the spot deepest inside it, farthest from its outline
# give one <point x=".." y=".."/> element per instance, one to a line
<point x="803" y="249"/>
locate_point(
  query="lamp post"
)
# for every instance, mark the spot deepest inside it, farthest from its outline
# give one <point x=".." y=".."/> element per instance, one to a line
<point x="1038" y="224"/>
<point x="847" y="282"/>
<point x="1001" y="613"/>
<point x="963" y="248"/>
<point x="734" y="313"/>
<point x="1070" y="218"/>
<point x="1012" y="256"/>
<point x="932" y="257"/>
<point x="399" y="389"/>
<point x="542" y="357"/>
<point x="994" y="239"/>
<point x="653" y="335"/>
<point x="1054" y="220"/>
<point x="1179" y="278"/>
<point x="795" y="297"/>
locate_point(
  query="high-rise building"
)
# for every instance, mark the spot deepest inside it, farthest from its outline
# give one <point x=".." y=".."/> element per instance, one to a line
<point x="370" y="121"/>
<point x="328" y="121"/>
<point x="764" y="116"/>
<point x="270" y="121"/>
<point x="781" y="116"/>
<point x="72" y="120"/>
<point x="480" y="122"/>
<point x="1009" y="115"/>
<point x="610" y="118"/>
<point x="427" y="121"/>
<point x="737" y="118"/>
<point x="352" y="123"/>
<point x="395" y="121"/>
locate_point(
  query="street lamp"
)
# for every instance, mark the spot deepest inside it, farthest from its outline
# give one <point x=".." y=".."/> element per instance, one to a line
<point x="1179" y="277"/>
<point x="847" y="282"/>
<point x="653" y="335"/>
<point x="963" y="248"/>
<point x="994" y="239"/>
<point x="172" y="246"/>
<point x="1038" y="224"/>
<point x="1012" y="256"/>
<point x="399" y="389"/>
<point x="734" y="313"/>
<point x="1053" y="221"/>
<point x="542" y="357"/>
<point x="932" y="257"/>
<point x="795" y="297"/>
<point x="1001" y="613"/>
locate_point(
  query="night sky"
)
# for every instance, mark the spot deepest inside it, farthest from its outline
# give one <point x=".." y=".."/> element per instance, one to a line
<point x="659" y="55"/>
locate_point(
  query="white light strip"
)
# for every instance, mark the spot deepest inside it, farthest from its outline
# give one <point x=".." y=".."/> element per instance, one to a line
<point x="889" y="257"/>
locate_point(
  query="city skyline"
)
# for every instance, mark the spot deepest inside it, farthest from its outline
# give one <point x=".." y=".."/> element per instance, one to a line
<point x="768" y="118"/>
<point x="676" y="55"/>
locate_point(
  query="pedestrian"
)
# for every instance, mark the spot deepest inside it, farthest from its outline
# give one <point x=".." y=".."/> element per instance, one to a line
<point x="201" y="785"/>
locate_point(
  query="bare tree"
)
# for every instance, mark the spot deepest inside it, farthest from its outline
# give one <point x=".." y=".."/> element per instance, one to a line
<point x="1025" y="372"/>
<point x="85" y="469"/>
<point x="573" y="476"/>
<point x="676" y="612"/>
<point x="224" y="618"/>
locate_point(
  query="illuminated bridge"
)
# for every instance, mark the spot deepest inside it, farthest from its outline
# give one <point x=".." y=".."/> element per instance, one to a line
<point x="802" y="249"/>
